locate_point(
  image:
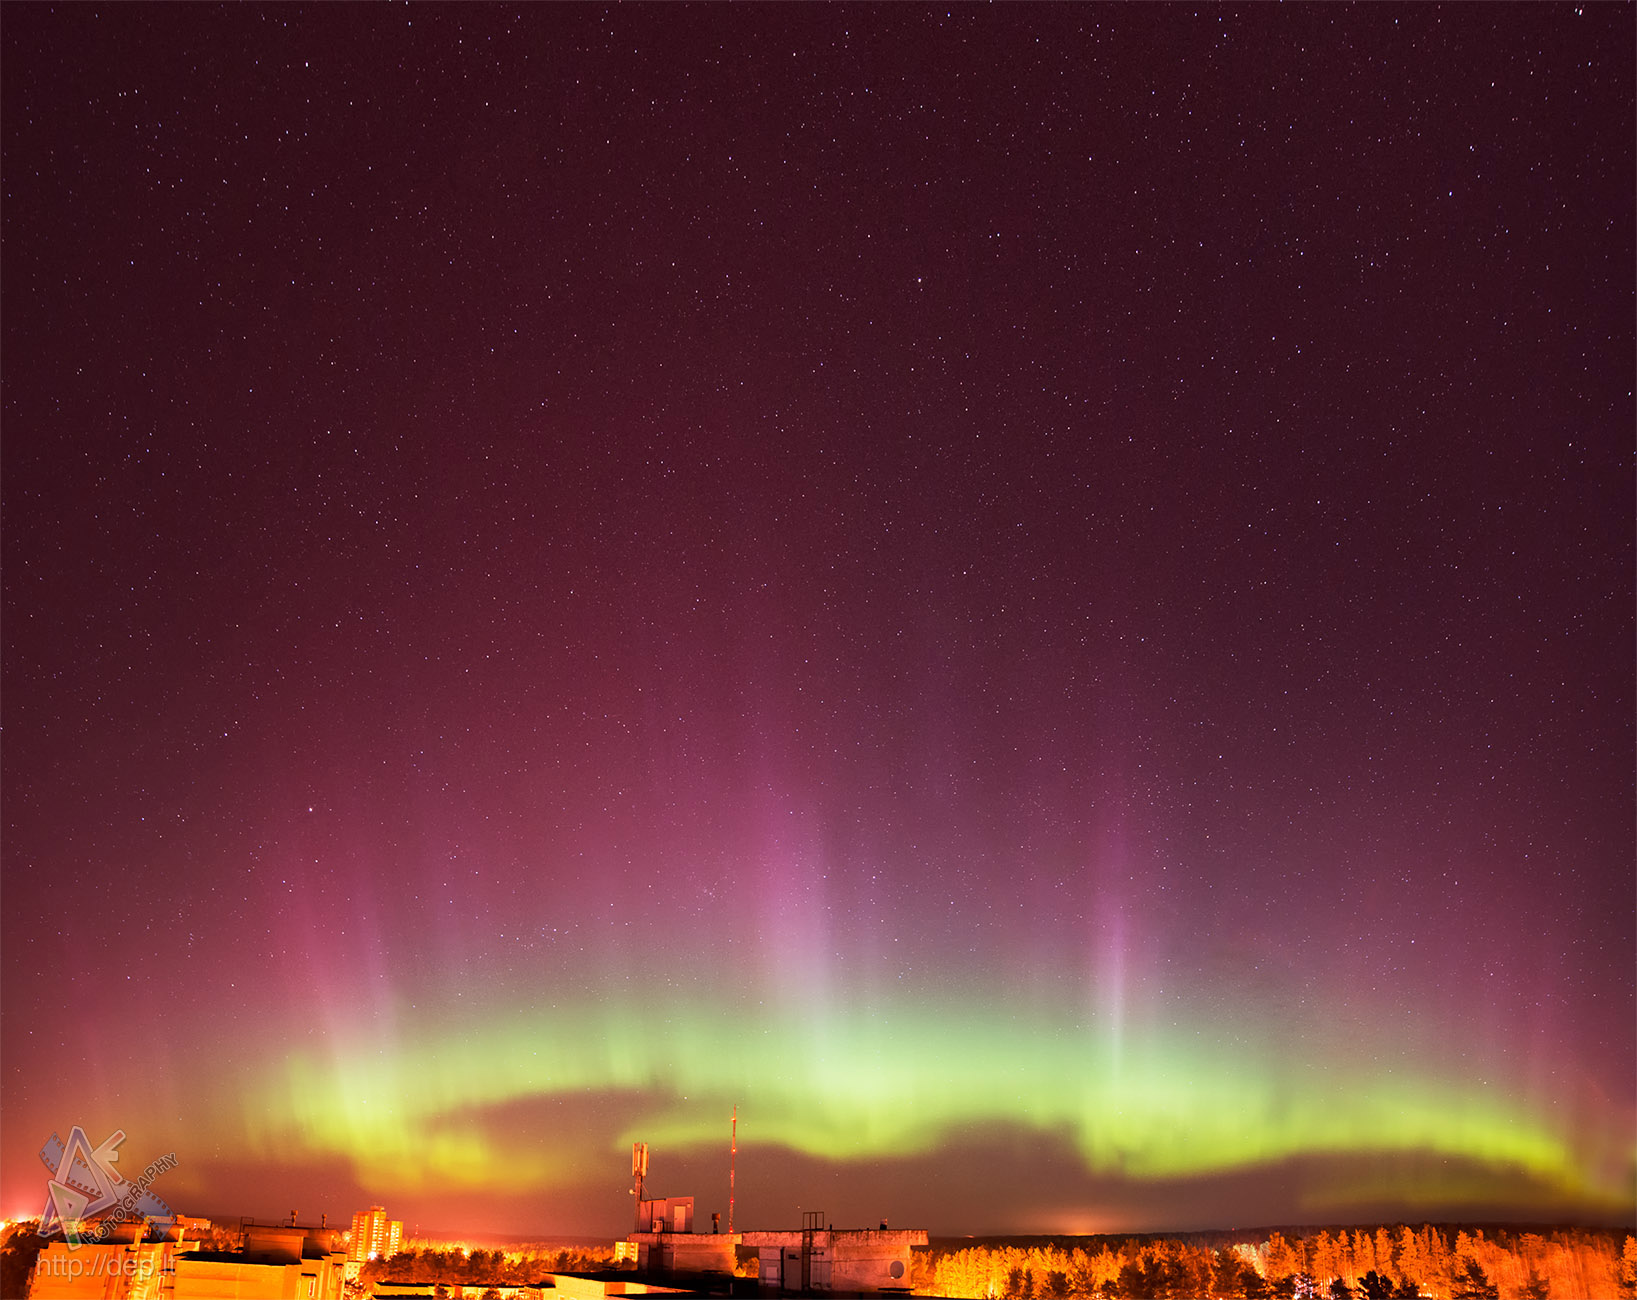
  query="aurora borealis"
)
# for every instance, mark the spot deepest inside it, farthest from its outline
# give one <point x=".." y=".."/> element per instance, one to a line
<point x="1039" y="598"/>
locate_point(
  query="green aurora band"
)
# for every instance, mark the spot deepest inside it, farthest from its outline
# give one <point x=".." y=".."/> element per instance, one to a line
<point x="1162" y="1104"/>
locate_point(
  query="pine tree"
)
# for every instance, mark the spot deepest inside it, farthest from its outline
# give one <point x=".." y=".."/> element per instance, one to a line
<point x="1281" y="1259"/>
<point x="1472" y="1283"/>
<point x="1374" y="1286"/>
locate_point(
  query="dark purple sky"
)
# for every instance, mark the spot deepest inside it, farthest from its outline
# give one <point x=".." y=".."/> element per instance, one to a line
<point x="1041" y="598"/>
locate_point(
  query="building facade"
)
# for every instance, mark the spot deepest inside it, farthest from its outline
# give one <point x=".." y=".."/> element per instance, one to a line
<point x="276" y="1263"/>
<point x="374" y="1236"/>
<point x="852" y="1261"/>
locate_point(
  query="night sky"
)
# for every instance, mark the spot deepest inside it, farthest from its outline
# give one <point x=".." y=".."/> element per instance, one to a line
<point x="1041" y="598"/>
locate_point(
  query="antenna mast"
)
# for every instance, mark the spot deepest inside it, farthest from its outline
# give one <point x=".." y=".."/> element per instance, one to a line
<point x="639" y="1171"/>
<point x="733" y="1156"/>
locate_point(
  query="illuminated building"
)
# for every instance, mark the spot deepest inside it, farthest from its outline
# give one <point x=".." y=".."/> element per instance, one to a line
<point x="814" y="1258"/>
<point x="276" y="1263"/>
<point x="132" y="1270"/>
<point x="374" y="1236"/>
<point x="853" y="1261"/>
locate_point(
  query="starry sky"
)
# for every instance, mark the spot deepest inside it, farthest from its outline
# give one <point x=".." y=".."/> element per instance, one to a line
<point x="1039" y="598"/>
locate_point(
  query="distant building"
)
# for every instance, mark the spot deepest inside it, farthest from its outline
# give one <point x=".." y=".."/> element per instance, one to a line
<point x="374" y="1236"/>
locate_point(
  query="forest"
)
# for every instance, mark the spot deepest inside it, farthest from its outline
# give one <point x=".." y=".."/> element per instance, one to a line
<point x="1436" y="1263"/>
<point x="1341" y="1264"/>
<point x="482" y="1267"/>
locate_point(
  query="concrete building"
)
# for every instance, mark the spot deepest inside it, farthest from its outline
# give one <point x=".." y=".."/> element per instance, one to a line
<point x="288" y="1262"/>
<point x="129" y="1270"/>
<point x="666" y="1243"/>
<point x="850" y="1261"/>
<point x="554" y="1286"/>
<point x="815" y="1258"/>
<point x="455" y="1291"/>
<point x="284" y="1262"/>
<point x="575" y="1286"/>
<point x="374" y="1236"/>
<point x="678" y="1253"/>
<point x="665" y="1214"/>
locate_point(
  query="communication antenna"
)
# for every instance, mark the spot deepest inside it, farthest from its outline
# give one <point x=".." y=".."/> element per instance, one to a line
<point x="639" y="1171"/>
<point x="733" y="1157"/>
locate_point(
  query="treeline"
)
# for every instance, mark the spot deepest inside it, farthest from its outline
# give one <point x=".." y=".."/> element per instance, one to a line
<point x="1383" y="1264"/>
<point x="481" y="1267"/>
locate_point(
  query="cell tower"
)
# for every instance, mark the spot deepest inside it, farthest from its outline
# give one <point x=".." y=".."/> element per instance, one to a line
<point x="733" y="1158"/>
<point x="639" y="1171"/>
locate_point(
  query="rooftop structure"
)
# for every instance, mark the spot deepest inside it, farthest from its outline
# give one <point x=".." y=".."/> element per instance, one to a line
<point x="276" y="1262"/>
<point x="813" y="1258"/>
<point x="847" y="1260"/>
